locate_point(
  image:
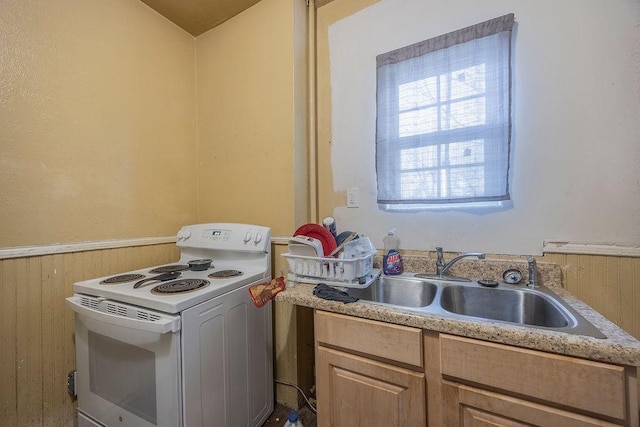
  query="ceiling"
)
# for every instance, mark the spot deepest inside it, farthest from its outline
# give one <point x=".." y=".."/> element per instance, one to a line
<point x="199" y="16"/>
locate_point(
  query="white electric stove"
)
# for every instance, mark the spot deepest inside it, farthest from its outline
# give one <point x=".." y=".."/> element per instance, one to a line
<point x="187" y="349"/>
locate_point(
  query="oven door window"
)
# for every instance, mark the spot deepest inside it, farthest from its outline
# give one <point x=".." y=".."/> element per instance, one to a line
<point x="123" y="374"/>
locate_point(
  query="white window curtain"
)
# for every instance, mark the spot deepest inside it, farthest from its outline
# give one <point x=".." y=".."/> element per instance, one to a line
<point x="444" y="118"/>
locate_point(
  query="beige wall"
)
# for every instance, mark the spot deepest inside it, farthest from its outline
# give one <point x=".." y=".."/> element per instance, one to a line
<point x="251" y="116"/>
<point x="99" y="111"/>
<point x="97" y="122"/>
<point x="252" y="143"/>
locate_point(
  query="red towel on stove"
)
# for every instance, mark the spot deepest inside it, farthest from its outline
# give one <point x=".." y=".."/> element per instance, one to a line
<point x="263" y="292"/>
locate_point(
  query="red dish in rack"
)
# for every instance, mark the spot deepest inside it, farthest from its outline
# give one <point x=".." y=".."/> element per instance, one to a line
<point x="318" y="232"/>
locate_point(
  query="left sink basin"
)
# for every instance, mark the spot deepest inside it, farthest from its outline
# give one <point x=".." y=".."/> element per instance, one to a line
<point x="398" y="291"/>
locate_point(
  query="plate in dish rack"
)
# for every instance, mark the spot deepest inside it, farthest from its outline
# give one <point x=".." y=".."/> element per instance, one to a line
<point x="318" y="232"/>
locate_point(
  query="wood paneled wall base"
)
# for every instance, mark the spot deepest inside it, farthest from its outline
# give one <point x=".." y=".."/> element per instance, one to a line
<point x="37" y="329"/>
<point x="609" y="284"/>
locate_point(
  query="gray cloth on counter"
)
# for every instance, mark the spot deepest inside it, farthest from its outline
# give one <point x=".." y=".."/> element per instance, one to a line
<point x="327" y="292"/>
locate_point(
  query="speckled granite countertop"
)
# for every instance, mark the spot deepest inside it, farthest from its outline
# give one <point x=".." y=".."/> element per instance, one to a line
<point x="619" y="347"/>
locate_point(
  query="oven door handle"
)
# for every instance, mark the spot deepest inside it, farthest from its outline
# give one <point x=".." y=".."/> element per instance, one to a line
<point x="96" y="308"/>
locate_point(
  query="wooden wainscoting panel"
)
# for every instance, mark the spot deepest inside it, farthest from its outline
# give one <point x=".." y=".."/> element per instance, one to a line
<point x="49" y="334"/>
<point x="629" y="294"/>
<point x="57" y="343"/>
<point x="29" y="341"/>
<point x="37" y="329"/>
<point x="8" y="322"/>
<point x="609" y="284"/>
<point x="285" y="352"/>
<point x="117" y="257"/>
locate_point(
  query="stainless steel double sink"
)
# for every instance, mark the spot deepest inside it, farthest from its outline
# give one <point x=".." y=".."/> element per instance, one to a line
<point x="515" y="304"/>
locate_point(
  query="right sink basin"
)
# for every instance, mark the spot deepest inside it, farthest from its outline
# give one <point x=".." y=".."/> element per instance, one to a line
<point x="513" y="305"/>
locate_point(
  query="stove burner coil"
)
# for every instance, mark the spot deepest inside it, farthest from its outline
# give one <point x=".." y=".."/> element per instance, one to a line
<point x="123" y="278"/>
<point x="170" y="268"/>
<point x="179" y="286"/>
<point x="222" y="274"/>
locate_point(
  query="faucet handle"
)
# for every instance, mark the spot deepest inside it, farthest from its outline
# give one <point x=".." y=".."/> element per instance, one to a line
<point x="533" y="272"/>
<point x="440" y="260"/>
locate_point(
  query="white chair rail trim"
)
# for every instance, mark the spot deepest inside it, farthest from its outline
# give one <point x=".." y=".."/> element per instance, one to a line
<point x="28" y="251"/>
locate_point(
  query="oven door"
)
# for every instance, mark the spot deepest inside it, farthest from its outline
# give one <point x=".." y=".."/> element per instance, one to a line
<point x="127" y="364"/>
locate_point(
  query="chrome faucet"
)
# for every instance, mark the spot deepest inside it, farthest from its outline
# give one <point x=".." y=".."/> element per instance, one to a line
<point x="443" y="267"/>
<point x="533" y="273"/>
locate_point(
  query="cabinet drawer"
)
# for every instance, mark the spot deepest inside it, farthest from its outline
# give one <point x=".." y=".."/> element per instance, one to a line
<point x="585" y="385"/>
<point x="397" y="343"/>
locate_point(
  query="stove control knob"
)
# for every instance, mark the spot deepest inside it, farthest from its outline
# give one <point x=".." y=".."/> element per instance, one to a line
<point x="184" y="234"/>
<point x="247" y="237"/>
<point x="258" y="238"/>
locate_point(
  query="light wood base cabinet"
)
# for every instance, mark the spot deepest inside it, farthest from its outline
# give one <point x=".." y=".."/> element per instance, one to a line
<point x="368" y="373"/>
<point x="371" y="373"/>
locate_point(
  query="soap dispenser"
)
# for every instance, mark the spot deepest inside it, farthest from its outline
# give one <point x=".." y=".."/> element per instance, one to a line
<point x="391" y="259"/>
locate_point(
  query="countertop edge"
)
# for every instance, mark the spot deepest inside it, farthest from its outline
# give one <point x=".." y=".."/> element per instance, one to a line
<point x="619" y="347"/>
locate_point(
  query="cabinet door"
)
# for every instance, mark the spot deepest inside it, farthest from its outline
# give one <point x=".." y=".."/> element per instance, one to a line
<point x="355" y="391"/>
<point x="467" y="406"/>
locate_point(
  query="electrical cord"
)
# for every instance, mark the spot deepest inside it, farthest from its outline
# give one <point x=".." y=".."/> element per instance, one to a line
<point x="301" y="392"/>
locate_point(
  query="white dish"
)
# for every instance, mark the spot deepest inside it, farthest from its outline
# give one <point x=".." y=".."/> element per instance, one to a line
<point x="305" y="246"/>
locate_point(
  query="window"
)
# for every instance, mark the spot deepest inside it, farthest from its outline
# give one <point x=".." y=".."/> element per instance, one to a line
<point x="444" y="118"/>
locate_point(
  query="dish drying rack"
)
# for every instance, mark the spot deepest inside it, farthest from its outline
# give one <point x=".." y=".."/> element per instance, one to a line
<point x="343" y="272"/>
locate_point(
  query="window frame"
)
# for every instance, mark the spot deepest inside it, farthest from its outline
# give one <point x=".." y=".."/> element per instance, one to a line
<point x="389" y="113"/>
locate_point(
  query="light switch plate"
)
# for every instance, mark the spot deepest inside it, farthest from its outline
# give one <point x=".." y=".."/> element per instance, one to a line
<point x="353" y="199"/>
